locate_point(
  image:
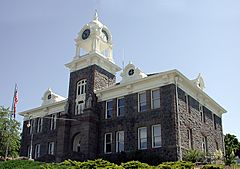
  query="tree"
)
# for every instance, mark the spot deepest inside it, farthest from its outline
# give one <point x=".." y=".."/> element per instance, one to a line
<point x="231" y="147"/>
<point x="9" y="134"/>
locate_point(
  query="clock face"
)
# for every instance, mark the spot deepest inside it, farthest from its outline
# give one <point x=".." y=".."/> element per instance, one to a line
<point x="130" y="72"/>
<point x="85" y="34"/>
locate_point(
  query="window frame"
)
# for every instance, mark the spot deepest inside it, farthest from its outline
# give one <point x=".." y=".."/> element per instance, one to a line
<point x="80" y="106"/>
<point x="118" y="141"/>
<point x="51" y="147"/>
<point x="119" y="107"/>
<point x="204" y="144"/>
<point x="37" y="151"/>
<point x="189" y="136"/>
<point x="81" y="87"/>
<point x="106" y="109"/>
<point x="187" y="103"/>
<point x="39" y="125"/>
<point x="153" y="137"/>
<point x="152" y="99"/>
<point x="105" y="143"/>
<point x="139" y="103"/>
<point x="139" y="139"/>
<point x="200" y="109"/>
<point x="53" y="121"/>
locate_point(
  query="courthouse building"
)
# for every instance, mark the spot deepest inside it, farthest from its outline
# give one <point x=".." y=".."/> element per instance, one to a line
<point x="162" y="114"/>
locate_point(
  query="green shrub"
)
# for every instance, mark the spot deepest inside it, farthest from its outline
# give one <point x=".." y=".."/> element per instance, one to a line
<point x="99" y="163"/>
<point x="213" y="167"/>
<point x="178" y="165"/>
<point x="20" y="164"/>
<point x="135" y="165"/>
<point x="194" y="156"/>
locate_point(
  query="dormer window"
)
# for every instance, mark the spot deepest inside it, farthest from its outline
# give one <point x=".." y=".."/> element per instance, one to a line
<point x="81" y="87"/>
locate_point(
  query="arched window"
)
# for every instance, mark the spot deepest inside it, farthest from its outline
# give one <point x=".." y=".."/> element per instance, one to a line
<point x="81" y="87"/>
<point x="77" y="143"/>
<point x="80" y="96"/>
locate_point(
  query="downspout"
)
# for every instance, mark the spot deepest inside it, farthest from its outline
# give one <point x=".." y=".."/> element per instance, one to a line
<point x="178" y="118"/>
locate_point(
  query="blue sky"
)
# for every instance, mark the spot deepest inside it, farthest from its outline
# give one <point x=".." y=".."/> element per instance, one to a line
<point x="37" y="39"/>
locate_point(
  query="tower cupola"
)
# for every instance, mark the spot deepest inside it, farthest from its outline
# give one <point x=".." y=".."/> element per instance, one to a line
<point x="94" y="47"/>
<point x="94" y="37"/>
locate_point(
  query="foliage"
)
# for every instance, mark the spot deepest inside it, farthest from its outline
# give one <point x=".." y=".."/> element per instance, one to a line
<point x="176" y="165"/>
<point x="194" y="156"/>
<point x="231" y="147"/>
<point x="218" y="155"/>
<point x="213" y="167"/>
<point x="9" y="134"/>
<point x="20" y="164"/>
<point x="135" y="165"/>
<point x="98" y="163"/>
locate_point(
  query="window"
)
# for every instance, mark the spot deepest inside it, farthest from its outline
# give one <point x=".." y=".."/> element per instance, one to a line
<point x="39" y="125"/>
<point x="119" y="141"/>
<point x="142" y="101"/>
<point x="37" y="151"/>
<point x="81" y="87"/>
<point x="217" y="147"/>
<point x="187" y="103"/>
<point x="108" y="143"/>
<point x="51" y="148"/>
<point x="28" y="151"/>
<point x="156" y="136"/>
<point x="189" y="136"/>
<point x="109" y="109"/>
<point x="155" y="99"/>
<point x="200" y="109"/>
<point x="120" y="108"/>
<point x="31" y="126"/>
<point x="214" y="122"/>
<point x="79" y="107"/>
<point x="142" y="138"/>
<point x="53" y="122"/>
<point x="204" y="144"/>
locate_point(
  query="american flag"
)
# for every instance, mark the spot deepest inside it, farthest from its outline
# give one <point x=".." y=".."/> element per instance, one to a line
<point x="15" y="101"/>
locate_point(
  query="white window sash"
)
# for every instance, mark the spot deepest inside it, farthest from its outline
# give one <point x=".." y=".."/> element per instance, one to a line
<point x="156" y="136"/>
<point x="107" y="143"/>
<point x="142" y="103"/>
<point x="142" y="139"/>
<point x="108" y="109"/>
<point x="119" y="107"/>
<point x="155" y="99"/>
<point x="119" y="141"/>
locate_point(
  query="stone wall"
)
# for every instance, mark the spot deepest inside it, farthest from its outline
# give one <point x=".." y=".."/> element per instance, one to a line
<point x="42" y="138"/>
<point x="132" y="120"/>
<point x="191" y="119"/>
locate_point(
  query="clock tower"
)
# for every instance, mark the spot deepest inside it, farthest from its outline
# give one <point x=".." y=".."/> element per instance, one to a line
<point x="91" y="69"/>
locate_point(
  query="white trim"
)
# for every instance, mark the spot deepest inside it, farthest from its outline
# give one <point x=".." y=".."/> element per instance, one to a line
<point x="106" y="109"/>
<point x="158" y="80"/>
<point x="155" y="99"/>
<point x="122" y="106"/>
<point x="44" y="110"/>
<point x="156" y="125"/>
<point x="139" y="139"/>
<point x="105" y="144"/>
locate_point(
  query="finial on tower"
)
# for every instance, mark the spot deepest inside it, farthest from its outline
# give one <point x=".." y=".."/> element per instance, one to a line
<point x="95" y="15"/>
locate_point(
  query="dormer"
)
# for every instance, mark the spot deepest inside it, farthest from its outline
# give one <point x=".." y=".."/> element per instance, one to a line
<point x="199" y="82"/>
<point x="131" y="73"/>
<point x="49" y="97"/>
